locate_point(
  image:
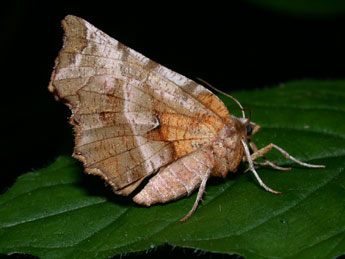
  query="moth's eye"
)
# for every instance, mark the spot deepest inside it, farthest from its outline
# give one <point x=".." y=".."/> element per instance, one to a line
<point x="249" y="130"/>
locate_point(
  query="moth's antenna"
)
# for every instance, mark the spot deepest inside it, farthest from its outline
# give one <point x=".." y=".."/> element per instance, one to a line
<point x="249" y="117"/>
<point x="228" y="95"/>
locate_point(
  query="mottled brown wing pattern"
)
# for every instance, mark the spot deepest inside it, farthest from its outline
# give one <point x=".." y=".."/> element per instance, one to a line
<point x="132" y="116"/>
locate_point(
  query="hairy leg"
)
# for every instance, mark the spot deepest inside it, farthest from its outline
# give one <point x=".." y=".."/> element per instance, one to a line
<point x="261" y="152"/>
<point x="199" y="196"/>
<point x="251" y="168"/>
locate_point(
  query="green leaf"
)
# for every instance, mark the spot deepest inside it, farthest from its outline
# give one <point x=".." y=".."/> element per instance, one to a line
<point x="60" y="212"/>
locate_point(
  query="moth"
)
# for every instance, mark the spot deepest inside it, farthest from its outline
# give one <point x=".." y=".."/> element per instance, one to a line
<point x="135" y="119"/>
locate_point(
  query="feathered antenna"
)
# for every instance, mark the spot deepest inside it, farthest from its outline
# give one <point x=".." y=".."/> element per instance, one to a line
<point x="221" y="92"/>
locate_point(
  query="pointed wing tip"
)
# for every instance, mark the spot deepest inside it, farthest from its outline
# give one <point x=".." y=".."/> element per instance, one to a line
<point x="71" y="18"/>
<point x="70" y="22"/>
<point x="74" y="28"/>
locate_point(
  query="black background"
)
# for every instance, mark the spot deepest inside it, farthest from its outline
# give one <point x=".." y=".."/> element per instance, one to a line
<point x="234" y="47"/>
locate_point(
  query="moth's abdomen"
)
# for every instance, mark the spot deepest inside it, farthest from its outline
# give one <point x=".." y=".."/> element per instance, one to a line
<point x="177" y="180"/>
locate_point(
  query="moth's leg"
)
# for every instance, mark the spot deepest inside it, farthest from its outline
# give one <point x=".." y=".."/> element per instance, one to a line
<point x="268" y="163"/>
<point x="261" y="152"/>
<point x="251" y="168"/>
<point x="199" y="196"/>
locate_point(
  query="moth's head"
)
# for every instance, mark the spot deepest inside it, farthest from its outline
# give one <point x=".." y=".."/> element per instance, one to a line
<point x="250" y="127"/>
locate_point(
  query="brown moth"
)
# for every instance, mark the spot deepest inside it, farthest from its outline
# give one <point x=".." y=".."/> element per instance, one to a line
<point x="134" y="118"/>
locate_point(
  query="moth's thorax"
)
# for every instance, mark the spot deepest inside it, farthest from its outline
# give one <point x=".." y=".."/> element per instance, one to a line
<point x="228" y="150"/>
<point x="235" y="127"/>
